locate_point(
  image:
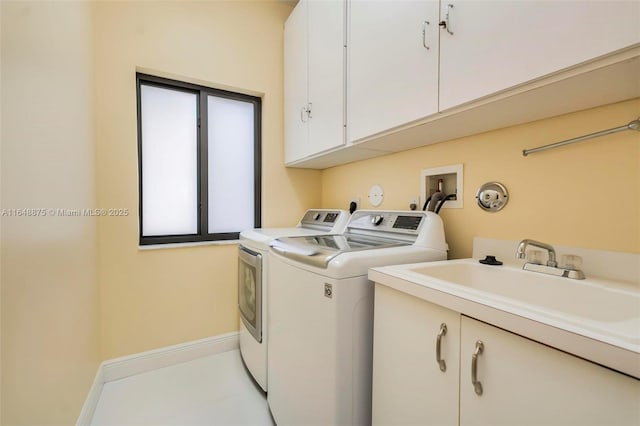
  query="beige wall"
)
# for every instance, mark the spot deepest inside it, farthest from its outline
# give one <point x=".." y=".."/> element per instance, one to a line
<point x="154" y="298"/>
<point x="50" y="349"/>
<point x="585" y="195"/>
<point x="68" y="87"/>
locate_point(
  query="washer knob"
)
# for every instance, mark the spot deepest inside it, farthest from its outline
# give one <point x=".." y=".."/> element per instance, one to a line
<point x="316" y="216"/>
<point x="377" y="220"/>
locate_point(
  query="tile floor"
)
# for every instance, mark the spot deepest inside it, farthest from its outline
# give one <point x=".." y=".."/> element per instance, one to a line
<point x="214" y="390"/>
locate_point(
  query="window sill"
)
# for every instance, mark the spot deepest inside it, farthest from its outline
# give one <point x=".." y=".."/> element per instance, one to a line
<point x="187" y="245"/>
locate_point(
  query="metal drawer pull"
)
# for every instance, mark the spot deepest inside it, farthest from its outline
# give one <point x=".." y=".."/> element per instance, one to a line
<point x="477" y="386"/>
<point x="424" y="34"/>
<point x="442" y="332"/>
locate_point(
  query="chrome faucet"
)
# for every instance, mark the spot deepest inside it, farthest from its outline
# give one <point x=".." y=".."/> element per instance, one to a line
<point x="520" y="252"/>
<point x="552" y="264"/>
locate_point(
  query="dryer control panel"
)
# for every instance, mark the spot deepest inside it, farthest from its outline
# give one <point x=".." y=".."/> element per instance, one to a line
<point x="325" y="220"/>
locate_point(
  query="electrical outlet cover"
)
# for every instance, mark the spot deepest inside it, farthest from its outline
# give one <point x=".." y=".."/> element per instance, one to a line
<point x="376" y="195"/>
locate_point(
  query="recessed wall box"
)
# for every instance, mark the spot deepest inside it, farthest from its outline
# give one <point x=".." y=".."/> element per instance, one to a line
<point x="447" y="179"/>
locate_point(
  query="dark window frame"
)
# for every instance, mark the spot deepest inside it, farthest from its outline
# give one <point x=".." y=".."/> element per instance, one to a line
<point x="202" y="92"/>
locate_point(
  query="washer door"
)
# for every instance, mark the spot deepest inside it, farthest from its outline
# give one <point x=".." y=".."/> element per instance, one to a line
<point x="250" y="291"/>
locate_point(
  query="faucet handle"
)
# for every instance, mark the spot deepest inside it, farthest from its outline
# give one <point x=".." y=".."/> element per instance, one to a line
<point x="535" y="256"/>
<point x="571" y="262"/>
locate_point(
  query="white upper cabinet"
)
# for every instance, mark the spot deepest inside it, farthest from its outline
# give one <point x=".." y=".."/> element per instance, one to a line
<point x="326" y="73"/>
<point x="295" y="84"/>
<point x="496" y="45"/>
<point x="417" y="72"/>
<point x="393" y="64"/>
<point x="314" y="73"/>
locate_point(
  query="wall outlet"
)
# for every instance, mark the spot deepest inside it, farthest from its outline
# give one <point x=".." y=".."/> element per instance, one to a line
<point x="355" y="200"/>
<point x="414" y="203"/>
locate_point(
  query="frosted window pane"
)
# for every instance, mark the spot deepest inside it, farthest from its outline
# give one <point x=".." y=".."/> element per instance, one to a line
<point x="169" y="162"/>
<point x="231" y="206"/>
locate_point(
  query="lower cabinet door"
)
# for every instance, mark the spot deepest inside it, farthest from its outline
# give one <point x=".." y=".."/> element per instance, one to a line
<point x="523" y="382"/>
<point x="409" y="386"/>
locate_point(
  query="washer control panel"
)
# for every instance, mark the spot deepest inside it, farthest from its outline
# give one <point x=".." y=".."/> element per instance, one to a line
<point x="391" y="221"/>
<point x="407" y="222"/>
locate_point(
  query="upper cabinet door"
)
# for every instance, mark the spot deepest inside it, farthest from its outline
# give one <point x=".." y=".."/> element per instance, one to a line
<point x="295" y="84"/>
<point x="499" y="44"/>
<point x="393" y="64"/>
<point x="326" y="74"/>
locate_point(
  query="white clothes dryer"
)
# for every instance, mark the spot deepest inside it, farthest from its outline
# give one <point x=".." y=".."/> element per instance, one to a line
<point x="321" y="313"/>
<point x="253" y="265"/>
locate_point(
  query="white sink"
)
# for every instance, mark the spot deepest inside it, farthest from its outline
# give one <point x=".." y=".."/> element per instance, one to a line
<point x="603" y="309"/>
<point x="596" y="319"/>
<point x="583" y="298"/>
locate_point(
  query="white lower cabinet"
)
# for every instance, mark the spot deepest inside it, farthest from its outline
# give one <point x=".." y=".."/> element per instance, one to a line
<point x="523" y="382"/>
<point x="527" y="383"/>
<point x="408" y="386"/>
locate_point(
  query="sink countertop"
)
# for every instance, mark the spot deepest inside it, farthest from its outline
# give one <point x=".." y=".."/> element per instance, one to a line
<point x="599" y="333"/>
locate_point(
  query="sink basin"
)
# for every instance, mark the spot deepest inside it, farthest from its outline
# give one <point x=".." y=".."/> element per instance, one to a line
<point x="575" y="297"/>
<point x="606" y="306"/>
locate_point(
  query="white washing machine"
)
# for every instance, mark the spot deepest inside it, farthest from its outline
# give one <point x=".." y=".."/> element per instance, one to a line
<point x="252" y="282"/>
<point x="321" y="313"/>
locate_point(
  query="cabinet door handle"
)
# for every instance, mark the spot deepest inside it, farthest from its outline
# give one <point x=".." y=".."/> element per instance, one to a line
<point x="424" y="34"/>
<point x="303" y="114"/>
<point x="446" y="24"/>
<point x="309" y="110"/>
<point x="477" y="386"/>
<point x="442" y="332"/>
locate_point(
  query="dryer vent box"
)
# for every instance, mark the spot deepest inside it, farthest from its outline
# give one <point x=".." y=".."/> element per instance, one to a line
<point x="450" y="178"/>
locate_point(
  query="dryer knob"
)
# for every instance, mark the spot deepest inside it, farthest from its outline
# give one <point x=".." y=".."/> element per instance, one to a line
<point x="377" y="220"/>
<point x="316" y="216"/>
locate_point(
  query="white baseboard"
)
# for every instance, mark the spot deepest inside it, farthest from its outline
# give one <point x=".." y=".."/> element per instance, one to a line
<point x="119" y="368"/>
<point x="130" y="365"/>
<point x="90" y="403"/>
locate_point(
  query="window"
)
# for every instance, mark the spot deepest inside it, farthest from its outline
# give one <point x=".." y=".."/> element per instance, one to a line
<point x="199" y="155"/>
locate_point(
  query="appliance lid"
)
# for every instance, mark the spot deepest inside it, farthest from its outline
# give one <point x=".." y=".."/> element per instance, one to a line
<point x="319" y="250"/>
<point x="314" y="222"/>
<point x="259" y="238"/>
